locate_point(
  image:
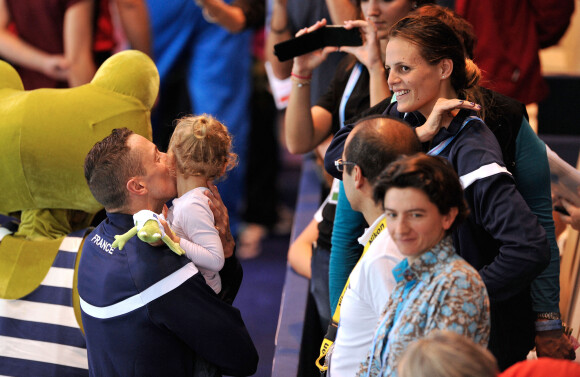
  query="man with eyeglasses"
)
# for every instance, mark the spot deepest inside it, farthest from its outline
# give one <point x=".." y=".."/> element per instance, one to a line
<point x="374" y="143"/>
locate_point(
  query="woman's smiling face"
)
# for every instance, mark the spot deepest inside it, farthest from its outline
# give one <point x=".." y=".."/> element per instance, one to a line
<point x="415" y="82"/>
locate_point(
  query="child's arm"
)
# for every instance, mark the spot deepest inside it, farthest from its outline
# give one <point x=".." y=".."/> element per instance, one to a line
<point x="211" y="258"/>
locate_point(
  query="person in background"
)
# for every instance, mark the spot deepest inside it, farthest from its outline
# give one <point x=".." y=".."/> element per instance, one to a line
<point x="56" y="52"/>
<point x="135" y="25"/>
<point x="514" y="69"/>
<point x="375" y="142"/>
<point x="447" y="354"/>
<point x="349" y="224"/>
<point x="436" y="288"/>
<point x="288" y="17"/>
<point x="204" y="69"/>
<point x="262" y="211"/>
<point x="235" y="17"/>
<point x="522" y="154"/>
<point x="307" y="126"/>
<point x="50" y="43"/>
<point x="359" y="82"/>
<point x="544" y="366"/>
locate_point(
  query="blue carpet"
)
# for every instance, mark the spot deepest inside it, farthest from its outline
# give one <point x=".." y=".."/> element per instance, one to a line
<point x="261" y="290"/>
<point x="259" y="297"/>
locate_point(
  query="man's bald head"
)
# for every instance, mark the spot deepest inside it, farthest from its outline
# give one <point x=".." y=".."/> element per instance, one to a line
<point x="377" y="141"/>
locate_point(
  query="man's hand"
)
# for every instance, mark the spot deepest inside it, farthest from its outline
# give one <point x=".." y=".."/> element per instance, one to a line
<point x="554" y="344"/>
<point x="222" y="219"/>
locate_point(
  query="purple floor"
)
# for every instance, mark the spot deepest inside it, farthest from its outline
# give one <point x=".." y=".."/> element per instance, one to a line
<point x="260" y="294"/>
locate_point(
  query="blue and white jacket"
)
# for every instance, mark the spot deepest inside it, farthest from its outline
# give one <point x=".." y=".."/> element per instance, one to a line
<point x="502" y="237"/>
<point x="148" y="312"/>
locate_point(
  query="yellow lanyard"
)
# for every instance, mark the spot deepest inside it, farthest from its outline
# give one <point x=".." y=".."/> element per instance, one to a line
<point x="333" y="326"/>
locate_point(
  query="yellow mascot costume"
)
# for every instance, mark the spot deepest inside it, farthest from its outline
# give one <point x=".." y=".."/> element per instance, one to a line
<point x="45" y="135"/>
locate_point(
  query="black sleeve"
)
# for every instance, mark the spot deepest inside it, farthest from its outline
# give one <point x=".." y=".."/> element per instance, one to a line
<point x="331" y="99"/>
<point x="212" y="328"/>
<point x="379" y="108"/>
<point x="231" y="275"/>
<point x="511" y="229"/>
<point x="524" y="251"/>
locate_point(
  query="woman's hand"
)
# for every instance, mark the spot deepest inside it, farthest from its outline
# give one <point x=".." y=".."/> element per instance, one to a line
<point x="305" y="64"/>
<point x="369" y="53"/>
<point x="442" y="115"/>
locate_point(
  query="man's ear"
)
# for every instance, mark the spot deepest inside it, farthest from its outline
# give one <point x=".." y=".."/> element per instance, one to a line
<point x="358" y="177"/>
<point x="134" y="186"/>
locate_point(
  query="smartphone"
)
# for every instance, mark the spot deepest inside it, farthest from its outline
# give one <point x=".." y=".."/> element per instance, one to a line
<point x="330" y="35"/>
<point x="562" y="210"/>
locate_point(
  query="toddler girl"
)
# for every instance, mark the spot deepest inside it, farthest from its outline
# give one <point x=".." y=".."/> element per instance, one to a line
<point x="201" y="149"/>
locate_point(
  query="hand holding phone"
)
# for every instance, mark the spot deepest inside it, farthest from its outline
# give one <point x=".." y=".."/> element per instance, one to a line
<point x="331" y="35"/>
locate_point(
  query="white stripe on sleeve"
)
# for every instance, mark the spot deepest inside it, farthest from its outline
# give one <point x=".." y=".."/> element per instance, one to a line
<point x="483" y="172"/>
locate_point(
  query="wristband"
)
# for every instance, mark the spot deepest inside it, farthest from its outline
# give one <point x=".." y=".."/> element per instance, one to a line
<point x="301" y="77"/>
<point x="300" y="82"/>
<point x="548" y="315"/>
<point x="554" y="324"/>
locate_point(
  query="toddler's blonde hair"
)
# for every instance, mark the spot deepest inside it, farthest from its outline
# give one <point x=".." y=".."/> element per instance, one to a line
<point x="201" y="146"/>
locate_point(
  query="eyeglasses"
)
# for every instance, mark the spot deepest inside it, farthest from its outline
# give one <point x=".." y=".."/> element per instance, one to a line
<point x="340" y="164"/>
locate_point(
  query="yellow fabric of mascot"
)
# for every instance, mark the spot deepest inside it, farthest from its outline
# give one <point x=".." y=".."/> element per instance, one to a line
<point x="45" y="135"/>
